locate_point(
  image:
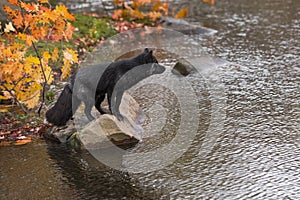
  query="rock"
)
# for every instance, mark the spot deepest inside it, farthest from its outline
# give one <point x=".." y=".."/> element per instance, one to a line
<point x="106" y="130"/>
<point x="183" y="67"/>
<point x="185" y="27"/>
<point x="61" y="134"/>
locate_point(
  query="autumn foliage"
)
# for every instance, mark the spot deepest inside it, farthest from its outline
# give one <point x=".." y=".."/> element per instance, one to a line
<point x="148" y="9"/>
<point x="25" y="67"/>
<point x="132" y="9"/>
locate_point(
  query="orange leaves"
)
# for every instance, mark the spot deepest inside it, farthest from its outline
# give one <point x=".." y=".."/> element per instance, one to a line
<point x="211" y="2"/>
<point x="131" y="10"/>
<point x="19" y="21"/>
<point x="13" y="2"/>
<point x="24" y="70"/>
<point x="40" y="21"/>
<point x="69" y="31"/>
<point x="134" y="12"/>
<point x="11" y="12"/>
<point x="182" y="13"/>
<point x="118" y="14"/>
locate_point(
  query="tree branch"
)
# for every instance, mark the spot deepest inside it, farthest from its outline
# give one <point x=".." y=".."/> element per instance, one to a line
<point x="45" y="78"/>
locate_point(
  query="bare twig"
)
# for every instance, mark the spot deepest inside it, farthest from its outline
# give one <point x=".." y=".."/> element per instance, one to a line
<point x="45" y="78"/>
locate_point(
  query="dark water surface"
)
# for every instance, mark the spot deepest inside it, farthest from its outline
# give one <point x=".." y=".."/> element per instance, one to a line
<point x="257" y="155"/>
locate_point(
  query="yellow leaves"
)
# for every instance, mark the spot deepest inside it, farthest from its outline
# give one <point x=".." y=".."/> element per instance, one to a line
<point x="6" y="95"/>
<point x="62" y="10"/>
<point x="48" y="14"/>
<point x="154" y="15"/>
<point x="30" y="95"/>
<point x="22" y="72"/>
<point x="46" y="55"/>
<point x="140" y="3"/>
<point x="182" y="13"/>
<point x="48" y="74"/>
<point x="66" y="68"/>
<point x="55" y="54"/>
<point x="132" y="10"/>
<point x="159" y="6"/>
<point x="12" y="52"/>
<point x="136" y="14"/>
<point x="33" y="60"/>
<point x="70" y="57"/>
<point x="22" y="36"/>
<point x="43" y="1"/>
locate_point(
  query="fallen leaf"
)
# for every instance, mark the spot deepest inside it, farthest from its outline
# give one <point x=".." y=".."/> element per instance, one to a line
<point x="182" y="13"/>
<point x="22" y="142"/>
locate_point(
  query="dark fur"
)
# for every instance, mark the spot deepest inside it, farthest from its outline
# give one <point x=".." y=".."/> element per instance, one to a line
<point x="116" y="71"/>
<point x="85" y="90"/>
<point x="61" y="112"/>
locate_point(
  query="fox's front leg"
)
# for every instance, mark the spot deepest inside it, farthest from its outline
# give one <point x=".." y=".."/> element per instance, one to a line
<point x="119" y="96"/>
<point x="114" y="102"/>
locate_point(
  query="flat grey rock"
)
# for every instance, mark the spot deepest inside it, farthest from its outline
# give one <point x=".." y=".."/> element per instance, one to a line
<point x="185" y="27"/>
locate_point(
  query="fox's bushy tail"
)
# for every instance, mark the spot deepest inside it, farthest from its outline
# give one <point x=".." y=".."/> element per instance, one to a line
<point x="62" y="111"/>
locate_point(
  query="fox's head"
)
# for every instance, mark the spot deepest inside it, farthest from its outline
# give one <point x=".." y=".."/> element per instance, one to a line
<point x="148" y="57"/>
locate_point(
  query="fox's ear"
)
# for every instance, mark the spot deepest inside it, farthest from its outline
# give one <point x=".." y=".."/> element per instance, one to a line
<point x="146" y="50"/>
<point x="151" y="52"/>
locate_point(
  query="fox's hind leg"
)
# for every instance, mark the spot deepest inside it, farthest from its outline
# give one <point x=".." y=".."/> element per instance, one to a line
<point x="119" y="96"/>
<point x="84" y="94"/>
<point x="98" y="100"/>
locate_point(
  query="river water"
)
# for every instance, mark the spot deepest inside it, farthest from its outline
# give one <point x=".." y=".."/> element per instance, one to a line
<point x="257" y="153"/>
